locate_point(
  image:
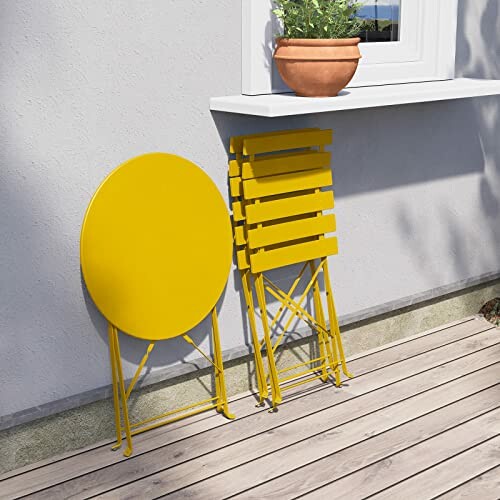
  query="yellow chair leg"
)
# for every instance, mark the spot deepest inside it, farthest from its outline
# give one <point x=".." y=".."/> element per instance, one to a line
<point x="123" y="396"/>
<point x="220" y="384"/>
<point x="334" y="324"/>
<point x="116" y="400"/>
<point x="323" y="341"/>
<point x="259" y="364"/>
<point x="261" y="298"/>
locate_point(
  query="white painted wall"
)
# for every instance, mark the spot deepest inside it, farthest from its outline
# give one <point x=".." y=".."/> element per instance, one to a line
<point x="85" y="85"/>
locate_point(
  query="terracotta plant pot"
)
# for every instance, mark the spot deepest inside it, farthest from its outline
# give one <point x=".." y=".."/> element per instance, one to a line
<point x="317" y="68"/>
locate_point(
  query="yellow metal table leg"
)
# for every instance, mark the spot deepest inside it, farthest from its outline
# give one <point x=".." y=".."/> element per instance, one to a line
<point x="220" y="385"/>
<point x="123" y="397"/>
<point x="116" y="401"/>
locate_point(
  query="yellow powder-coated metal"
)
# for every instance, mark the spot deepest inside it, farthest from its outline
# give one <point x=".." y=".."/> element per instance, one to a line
<point x="156" y="250"/>
<point x="156" y="239"/>
<point x="277" y="181"/>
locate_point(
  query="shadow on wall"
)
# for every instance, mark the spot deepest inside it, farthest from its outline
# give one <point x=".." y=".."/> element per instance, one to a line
<point x="76" y="96"/>
<point x="471" y="248"/>
<point x="483" y="61"/>
<point x="382" y="148"/>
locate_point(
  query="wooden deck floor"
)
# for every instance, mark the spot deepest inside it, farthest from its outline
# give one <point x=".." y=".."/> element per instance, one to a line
<point x="421" y="419"/>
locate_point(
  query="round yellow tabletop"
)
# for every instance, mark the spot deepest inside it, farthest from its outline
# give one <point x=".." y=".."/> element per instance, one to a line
<point x="156" y="246"/>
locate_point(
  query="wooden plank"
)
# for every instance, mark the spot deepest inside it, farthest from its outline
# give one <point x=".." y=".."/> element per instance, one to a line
<point x="289" y="231"/>
<point x="285" y="163"/>
<point x="299" y="139"/>
<point x="285" y="183"/>
<point x="236" y="142"/>
<point x="484" y="487"/>
<point x="285" y="256"/>
<point x="289" y="207"/>
<point x="451" y="473"/>
<point x="96" y="483"/>
<point x="400" y="361"/>
<point x="237" y="468"/>
<point x="398" y="466"/>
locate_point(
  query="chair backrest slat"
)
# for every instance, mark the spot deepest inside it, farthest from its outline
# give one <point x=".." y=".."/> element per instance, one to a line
<point x="285" y="163"/>
<point x="236" y="142"/>
<point x="276" y="142"/>
<point x="286" y="183"/>
<point x="292" y="254"/>
<point x="289" y="231"/>
<point x="285" y="207"/>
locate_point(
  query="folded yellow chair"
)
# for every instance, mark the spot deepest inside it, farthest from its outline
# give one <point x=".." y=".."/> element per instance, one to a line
<point x="280" y="184"/>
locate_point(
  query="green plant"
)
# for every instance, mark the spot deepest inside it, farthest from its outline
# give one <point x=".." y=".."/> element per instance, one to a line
<point x="318" y="18"/>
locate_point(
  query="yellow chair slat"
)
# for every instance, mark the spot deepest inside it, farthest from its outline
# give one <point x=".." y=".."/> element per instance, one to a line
<point x="242" y="259"/>
<point x="287" y="207"/>
<point x="236" y="142"/>
<point x="289" y="231"/>
<point x="239" y="235"/>
<point x="286" y="183"/>
<point x="286" y="163"/>
<point x="238" y="214"/>
<point x="280" y="142"/>
<point x="293" y="254"/>
<point x="235" y="187"/>
<point x="235" y="168"/>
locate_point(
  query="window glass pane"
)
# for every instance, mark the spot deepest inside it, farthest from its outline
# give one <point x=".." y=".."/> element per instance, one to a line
<point x="380" y="20"/>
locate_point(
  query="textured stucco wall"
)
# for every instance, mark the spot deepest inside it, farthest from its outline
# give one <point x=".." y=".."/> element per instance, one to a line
<point x="87" y="85"/>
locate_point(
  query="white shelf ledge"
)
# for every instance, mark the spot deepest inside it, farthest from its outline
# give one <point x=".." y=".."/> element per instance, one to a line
<point x="274" y="105"/>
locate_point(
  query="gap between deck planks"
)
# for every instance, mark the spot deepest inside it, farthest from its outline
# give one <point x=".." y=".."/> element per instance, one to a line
<point x="372" y="363"/>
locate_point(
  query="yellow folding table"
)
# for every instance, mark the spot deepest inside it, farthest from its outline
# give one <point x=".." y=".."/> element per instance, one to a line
<point x="156" y="251"/>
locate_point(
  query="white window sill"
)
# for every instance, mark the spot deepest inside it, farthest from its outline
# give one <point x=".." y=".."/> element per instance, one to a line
<point x="274" y="105"/>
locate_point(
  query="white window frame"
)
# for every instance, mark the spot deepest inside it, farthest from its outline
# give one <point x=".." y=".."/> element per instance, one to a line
<point x="425" y="51"/>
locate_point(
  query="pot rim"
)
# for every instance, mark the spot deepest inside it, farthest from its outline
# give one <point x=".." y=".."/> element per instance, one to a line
<point x="318" y="42"/>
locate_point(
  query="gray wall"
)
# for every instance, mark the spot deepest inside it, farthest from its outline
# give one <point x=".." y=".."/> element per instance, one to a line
<point x="86" y="85"/>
